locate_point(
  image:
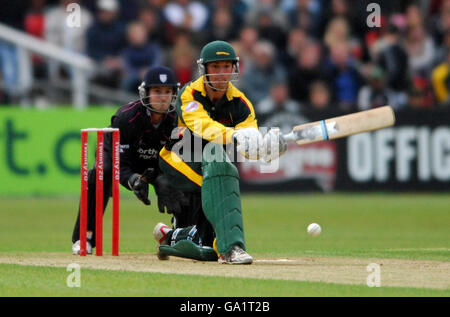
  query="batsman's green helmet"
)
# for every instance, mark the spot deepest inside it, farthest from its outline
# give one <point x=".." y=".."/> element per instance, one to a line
<point x="217" y="51"/>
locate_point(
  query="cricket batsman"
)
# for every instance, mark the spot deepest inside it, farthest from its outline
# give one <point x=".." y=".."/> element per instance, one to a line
<point x="145" y="126"/>
<point x="211" y="112"/>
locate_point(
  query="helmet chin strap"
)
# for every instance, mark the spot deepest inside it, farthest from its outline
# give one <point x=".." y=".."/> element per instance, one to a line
<point x="170" y="109"/>
<point x="148" y="105"/>
<point x="206" y="81"/>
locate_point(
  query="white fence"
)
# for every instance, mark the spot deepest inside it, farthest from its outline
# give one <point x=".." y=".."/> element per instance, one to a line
<point x="81" y="65"/>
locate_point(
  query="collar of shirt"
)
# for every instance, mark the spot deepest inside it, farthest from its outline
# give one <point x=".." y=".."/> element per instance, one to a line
<point x="199" y="86"/>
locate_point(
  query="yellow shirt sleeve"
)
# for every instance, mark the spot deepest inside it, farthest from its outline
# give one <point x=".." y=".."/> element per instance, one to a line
<point x="198" y="121"/>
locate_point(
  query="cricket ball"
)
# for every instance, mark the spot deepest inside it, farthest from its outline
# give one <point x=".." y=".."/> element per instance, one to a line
<point x="314" y="229"/>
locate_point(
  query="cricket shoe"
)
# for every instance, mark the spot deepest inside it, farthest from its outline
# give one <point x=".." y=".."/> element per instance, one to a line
<point x="76" y="248"/>
<point x="236" y="256"/>
<point x="160" y="234"/>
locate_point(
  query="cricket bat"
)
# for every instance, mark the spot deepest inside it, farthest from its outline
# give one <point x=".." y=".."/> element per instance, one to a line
<point x="342" y="126"/>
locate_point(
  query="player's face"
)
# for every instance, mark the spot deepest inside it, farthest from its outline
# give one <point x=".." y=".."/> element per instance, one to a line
<point x="160" y="97"/>
<point x="219" y="73"/>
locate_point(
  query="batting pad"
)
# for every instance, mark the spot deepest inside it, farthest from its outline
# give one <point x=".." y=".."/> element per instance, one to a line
<point x="190" y="250"/>
<point x="221" y="201"/>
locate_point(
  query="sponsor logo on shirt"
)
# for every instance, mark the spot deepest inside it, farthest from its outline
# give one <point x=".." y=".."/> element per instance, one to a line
<point x="191" y="107"/>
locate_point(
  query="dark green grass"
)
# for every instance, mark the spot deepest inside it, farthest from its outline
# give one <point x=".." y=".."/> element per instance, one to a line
<point x="412" y="226"/>
<point x="46" y="281"/>
<point x="406" y="226"/>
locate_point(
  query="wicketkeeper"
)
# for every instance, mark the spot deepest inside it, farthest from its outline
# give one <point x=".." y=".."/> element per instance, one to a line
<point x="214" y="114"/>
<point x="145" y="126"/>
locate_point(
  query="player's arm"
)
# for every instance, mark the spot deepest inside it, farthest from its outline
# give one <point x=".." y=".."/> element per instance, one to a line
<point x="250" y="142"/>
<point x="126" y="140"/>
<point x="247" y="136"/>
<point x="246" y="117"/>
<point x="128" y="177"/>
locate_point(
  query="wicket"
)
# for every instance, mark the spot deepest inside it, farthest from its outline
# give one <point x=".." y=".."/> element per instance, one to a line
<point x="99" y="190"/>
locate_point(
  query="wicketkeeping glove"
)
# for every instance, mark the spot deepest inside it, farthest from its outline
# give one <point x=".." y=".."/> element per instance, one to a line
<point x="139" y="185"/>
<point x="169" y="199"/>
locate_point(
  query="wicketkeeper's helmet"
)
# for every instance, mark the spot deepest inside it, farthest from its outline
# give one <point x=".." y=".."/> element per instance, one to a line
<point x="158" y="76"/>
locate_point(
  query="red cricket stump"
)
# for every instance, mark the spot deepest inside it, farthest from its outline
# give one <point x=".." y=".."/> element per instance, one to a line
<point x="99" y="178"/>
<point x="84" y="187"/>
<point x="115" y="189"/>
<point x="99" y="195"/>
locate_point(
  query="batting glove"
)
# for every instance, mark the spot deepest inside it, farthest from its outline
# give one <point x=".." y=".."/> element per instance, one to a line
<point x="249" y="142"/>
<point x="274" y="145"/>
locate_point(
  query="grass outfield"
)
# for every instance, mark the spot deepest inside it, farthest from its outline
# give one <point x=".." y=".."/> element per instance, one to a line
<point x="46" y="281"/>
<point x="411" y="229"/>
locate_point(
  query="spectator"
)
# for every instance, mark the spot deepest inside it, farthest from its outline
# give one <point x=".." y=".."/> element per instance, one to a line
<point x="420" y="49"/>
<point x="58" y="32"/>
<point x="441" y="23"/>
<point x="35" y="25"/>
<point x="341" y="70"/>
<point x="269" y="29"/>
<point x="319" y="97"/>
<point x="192" y="15"/>
<point x="277" y="100"/>
<point x="441" y="81"/>
<point x="342" y="9"/>
<point x="306" y="70"/>
<point x="414" y="16"/>
<point x="183" y="57"/>
<point x="222" y="27"/>
<point x="420" y="94"/>
<point x="238" y="9"/>
<point x="393" y="58"/>
<point x="414" y="58"/>
<point x="129" y="9"/>
<point x="157" y="5"/>
<point x="9" y="67"/>
<point x="376" y="94"/>
<point x="35" y="20"/>
<point x="154" y="23"/>
<point x="248" y="37"/>
<point x="261" y="75"/>
<point x="13" y="15"/>
<point x="297" y="39"/>
<point x="162" y="31"/>
<point x="267" y="8"/>
<point x="338" y="30"/>
<point x="443" y="49"/>
<point x="138" y="56"/>
<point x="307" y="15"/>
<point x="106" y="40"/>
<point x="278" y="110"/>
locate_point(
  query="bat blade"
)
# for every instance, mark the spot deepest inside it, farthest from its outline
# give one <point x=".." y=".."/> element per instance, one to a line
<point x="342" y="126"/>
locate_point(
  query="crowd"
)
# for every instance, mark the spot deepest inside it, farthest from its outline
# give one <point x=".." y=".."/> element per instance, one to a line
<point x="294" y="54"/>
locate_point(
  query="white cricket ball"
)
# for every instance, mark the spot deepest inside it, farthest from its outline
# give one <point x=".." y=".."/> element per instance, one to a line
<point x="314" y="229"/>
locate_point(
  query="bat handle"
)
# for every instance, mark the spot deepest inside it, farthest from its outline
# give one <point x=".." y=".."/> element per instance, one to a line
<point x="290" y="137"/>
